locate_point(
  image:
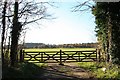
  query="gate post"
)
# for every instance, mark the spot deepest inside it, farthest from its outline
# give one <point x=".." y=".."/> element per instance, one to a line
<point x="99" y="56"/>
<point x="61" y="58"/>
<point x="21" y="55"/>
<point x="96" y="55"/>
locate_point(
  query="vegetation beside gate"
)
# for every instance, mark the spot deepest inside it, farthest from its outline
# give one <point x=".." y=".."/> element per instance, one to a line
<point x="102" y="70"/>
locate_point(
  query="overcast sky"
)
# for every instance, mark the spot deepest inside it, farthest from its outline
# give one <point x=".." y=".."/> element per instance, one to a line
<point x="68" y="27"/>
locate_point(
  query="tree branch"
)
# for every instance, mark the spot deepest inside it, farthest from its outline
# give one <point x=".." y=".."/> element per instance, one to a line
<point x="85" y="6"/>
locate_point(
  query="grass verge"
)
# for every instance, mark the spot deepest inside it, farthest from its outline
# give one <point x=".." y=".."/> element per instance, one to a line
<point x="102" y="70"/>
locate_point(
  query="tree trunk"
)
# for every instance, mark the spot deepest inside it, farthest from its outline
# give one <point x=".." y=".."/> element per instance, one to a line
<point x="3" y="31"/>
<point x="14" y="36"/>
<point x="109" y="38"/>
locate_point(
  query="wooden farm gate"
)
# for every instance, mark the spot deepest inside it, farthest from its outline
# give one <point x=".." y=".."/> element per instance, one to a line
<point x="59" y="56"/>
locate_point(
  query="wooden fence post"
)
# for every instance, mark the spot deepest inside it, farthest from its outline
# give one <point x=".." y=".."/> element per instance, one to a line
<point x="99" y="55"/>
<point x="21" y="55"/>
<point x="96" y="55"/>
<point x="61" y="58"/>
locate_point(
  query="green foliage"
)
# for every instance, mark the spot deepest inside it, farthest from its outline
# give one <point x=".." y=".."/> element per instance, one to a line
<point x="108" y="28"/>
<point x="101" y="29"/>
<point x="112" y="71"/>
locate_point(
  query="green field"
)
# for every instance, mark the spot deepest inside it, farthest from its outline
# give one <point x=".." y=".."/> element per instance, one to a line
<point x="58" y="49"/>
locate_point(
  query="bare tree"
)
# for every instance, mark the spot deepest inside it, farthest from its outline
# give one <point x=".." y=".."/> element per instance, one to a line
<point x="18" y="15"/>
<point x="29" y="13"/>
<point x="15" y="35"/>
<point x="3" y="30"/>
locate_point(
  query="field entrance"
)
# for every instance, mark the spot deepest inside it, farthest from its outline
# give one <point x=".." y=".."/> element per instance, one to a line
<point x="59" y="56"/>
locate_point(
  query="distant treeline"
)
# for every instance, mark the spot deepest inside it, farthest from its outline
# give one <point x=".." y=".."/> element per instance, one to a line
<point x="78" y="45"/>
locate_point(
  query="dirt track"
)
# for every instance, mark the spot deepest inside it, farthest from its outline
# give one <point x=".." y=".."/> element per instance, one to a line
<point x="67" y="71"/>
